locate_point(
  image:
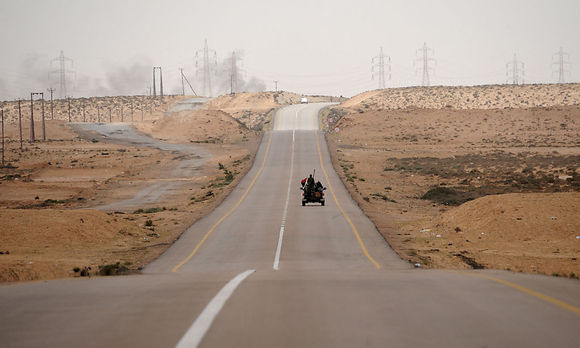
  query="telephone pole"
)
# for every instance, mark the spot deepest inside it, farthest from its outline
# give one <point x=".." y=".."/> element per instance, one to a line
<point x="43" y="123"/>
<point x="62" y="72"/>
<point x="209" y="66"/>
<point x="515" y="70"/>
<point x="32" y="135"/>
<point x="182" y="82"/>
<point x="2" y="112"/>
<point x="378" y="67"/>
<point x="183" y="77"/>
<point x="561" y="62"/>
<point x="20" y="123"/>
<point x="31" y="118"/>
<point x="425" y="59"/>
<point x="154" y="90"/>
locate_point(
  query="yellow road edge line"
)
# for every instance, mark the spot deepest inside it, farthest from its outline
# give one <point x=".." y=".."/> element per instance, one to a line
<point x="200" y="243"/>
<point x="539" y="295"/>
<point x="354" y="230"/>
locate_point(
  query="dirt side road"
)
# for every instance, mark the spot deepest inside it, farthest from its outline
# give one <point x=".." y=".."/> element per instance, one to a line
<point x="147" y="191"/>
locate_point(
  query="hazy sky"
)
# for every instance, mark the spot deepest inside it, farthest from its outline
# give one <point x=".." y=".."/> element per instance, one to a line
<point x="310" y="46"/>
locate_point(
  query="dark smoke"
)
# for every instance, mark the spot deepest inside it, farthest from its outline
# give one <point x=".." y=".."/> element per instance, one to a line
<point x="221" y="78"/>
<point x="38" y="73"/>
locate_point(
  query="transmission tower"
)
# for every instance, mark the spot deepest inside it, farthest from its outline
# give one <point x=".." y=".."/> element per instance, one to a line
<point x="514" y="71"/>
<point x="62" y="73"/>
<point x="378" y="67"/>
<point x="234" y="74"/>
<point x="561" y="63"/>
<point x="209" y="67"/>
<point x="425" y="53"/>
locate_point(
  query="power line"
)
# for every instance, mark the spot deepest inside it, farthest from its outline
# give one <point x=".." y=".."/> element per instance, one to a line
<point x="561" y="62"/>
<point x="378" y="67"/>
<point x="425" y="59"/>
<point x="514" y="70"/>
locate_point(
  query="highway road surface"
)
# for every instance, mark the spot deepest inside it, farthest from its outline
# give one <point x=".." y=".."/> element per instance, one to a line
<point x="263" y="271"/>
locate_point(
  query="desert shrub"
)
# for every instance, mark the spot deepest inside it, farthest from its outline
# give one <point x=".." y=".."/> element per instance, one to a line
<point x="112" y="269"/>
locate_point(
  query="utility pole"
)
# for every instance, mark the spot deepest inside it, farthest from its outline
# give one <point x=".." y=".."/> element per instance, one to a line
<point x="562" y="62"/>
<point x="121" y="111"/>
<point x="62" y="72"/>
<point x="31" y="118"/>
<point x="276" y="85"/>
<point x="378" y="63"/>
<point x="183" y="77"/>
<point x="208" y="63"/>
<point x="83" y="106"/>
<point x="32" y="94"/>
<point x="154" y="91"/>
<point x="425" y="59"/>
<point x="110" y="116"/>
<point x="515" y="70"/>
<point x="51" y="107"/>
<point x="2" y="112"/>
<point x="43" y="123"/>
<point x="98" y="114"/>
<point x="182" y="82"/>
<point x="132" y="111"/>
<point x="20" y="123"/>
<point x="69" y="110"/>
<point x="161" y="81"/>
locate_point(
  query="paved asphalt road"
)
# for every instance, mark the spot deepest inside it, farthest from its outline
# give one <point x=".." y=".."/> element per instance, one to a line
<point x="263" y="271"/>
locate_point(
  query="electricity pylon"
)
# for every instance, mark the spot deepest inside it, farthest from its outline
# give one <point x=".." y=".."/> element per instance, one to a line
<point x="209" y="67"/>
<point x="378" y="64"/>
<point x="515" y="71"/>
<point x="425" y="59"/>
<point x="561" y="63"/>
<point x="62" y="73"/>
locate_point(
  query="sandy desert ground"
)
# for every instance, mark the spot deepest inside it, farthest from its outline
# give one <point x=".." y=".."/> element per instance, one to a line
<point x="54" y="194"/>
<point x="467" y="177"/>
<point x="461" y="177"/>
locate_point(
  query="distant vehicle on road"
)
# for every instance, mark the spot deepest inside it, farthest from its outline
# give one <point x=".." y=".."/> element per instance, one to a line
<point x="304" y="100"/>
<point x="313" y="192"/>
